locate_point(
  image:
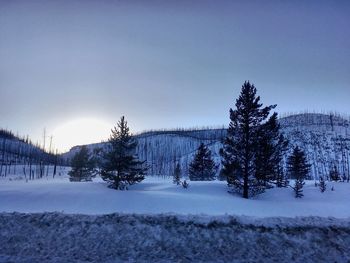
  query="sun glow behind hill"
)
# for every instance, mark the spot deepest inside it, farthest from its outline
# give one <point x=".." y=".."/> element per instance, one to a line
<point x="79" y="132"/>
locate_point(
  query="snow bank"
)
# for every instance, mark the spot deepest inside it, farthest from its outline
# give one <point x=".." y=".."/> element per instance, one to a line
<point x="56" y="237"/>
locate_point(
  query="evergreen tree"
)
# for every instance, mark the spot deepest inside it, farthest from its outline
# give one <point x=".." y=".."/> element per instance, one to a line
<point x="177" y="175"/>
<point x="241" y="143"/>
<point x="281" y="179"/>
<point x="82" y="166"/>
<point x="185" y="184"/>
<point x="221" y="176"/>
<point x="298" y="187"/>
<point x="202" y="168"/>
<point x="97" y="157"/>
<point x="334" y="174"/>
<point x="298" y="169"/>
<point x="120" y="166"/>
<point x="322" y="185"/>
<point x="271" y="148"/>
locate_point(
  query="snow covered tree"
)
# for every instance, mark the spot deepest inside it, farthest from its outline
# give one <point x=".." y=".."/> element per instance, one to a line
<point x="240" y="145"/>
<point x="82" y="166"/>
<point x="322" y="184"/>
<point x="177" y="175"/>
<point x="121" y="167"/>
<point x="298" y="169"/>
<point x="202" y="168"/>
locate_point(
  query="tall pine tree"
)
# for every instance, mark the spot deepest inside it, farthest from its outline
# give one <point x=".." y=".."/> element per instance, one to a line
<point x="298" y="169"/>
<point x="240" y="145"/>
<point x="120" y="166"/>
<point x="271" y="148"/>
<point x="202" y="168"/>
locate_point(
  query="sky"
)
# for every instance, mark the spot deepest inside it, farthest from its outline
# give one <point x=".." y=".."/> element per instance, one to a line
<point x="75" y="67"/>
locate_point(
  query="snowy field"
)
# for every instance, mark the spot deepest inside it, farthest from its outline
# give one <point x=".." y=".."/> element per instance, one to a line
<point x="157" y="195"/>
<point x="55" y="220"/>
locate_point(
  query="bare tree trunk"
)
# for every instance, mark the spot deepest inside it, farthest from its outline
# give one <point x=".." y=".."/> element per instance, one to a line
<point x="3" y="155"/>
<point x="30" y="169"/>
<point x="348" y="165"/>
<point x="55" y="166"/>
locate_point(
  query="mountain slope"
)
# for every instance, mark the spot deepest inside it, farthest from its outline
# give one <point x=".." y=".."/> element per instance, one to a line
<point x="325" y="139"/>
<point x="18" y="151"/>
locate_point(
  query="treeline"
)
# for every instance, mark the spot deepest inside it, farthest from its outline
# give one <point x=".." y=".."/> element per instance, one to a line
<point x="325" y="153"/>
<point x="6" y="134"/>
<point x="335" y="114"/>
<point x="255" y="154"/>
<point x="323" y="148"/>
<point x="306" y="118"/>
<point x="205" y="132"/>
<point x="252" y="154"/>
<point x="21" y="153"/>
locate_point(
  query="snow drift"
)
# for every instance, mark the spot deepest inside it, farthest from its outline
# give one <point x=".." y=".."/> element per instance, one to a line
<point x="55" y="237"/>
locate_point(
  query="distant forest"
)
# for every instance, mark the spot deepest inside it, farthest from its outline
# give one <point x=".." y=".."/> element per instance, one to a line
<point x="16" y="150"/>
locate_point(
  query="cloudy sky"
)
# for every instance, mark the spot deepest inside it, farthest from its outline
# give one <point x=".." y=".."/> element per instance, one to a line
<point x="74" y="67"/>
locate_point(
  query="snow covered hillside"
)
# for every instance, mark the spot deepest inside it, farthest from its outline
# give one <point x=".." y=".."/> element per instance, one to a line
<point x="20" y="154"/>
<point x="325" y="138"/>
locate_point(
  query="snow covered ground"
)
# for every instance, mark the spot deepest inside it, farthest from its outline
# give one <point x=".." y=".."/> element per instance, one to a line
<point x="55" y="220"/>
<point x="55" y="237"/>
<point x="157" y="195"/>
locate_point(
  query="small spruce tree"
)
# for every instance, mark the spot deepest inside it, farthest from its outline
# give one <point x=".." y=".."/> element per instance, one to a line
<point x="177" y="175"/>
<point x="298" y="187"/>
<point x="82" y="166"/>
<point x="185" y="184"/>
<point x="202" y="168"/>
<point x="298" y="169"/>
<point x="322" y="184"/>
<point x="334" y="174"/>
<point x="121" y="167"/>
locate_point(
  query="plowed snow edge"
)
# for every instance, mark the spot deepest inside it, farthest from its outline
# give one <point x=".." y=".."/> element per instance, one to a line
<point x="56" y="237"/>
